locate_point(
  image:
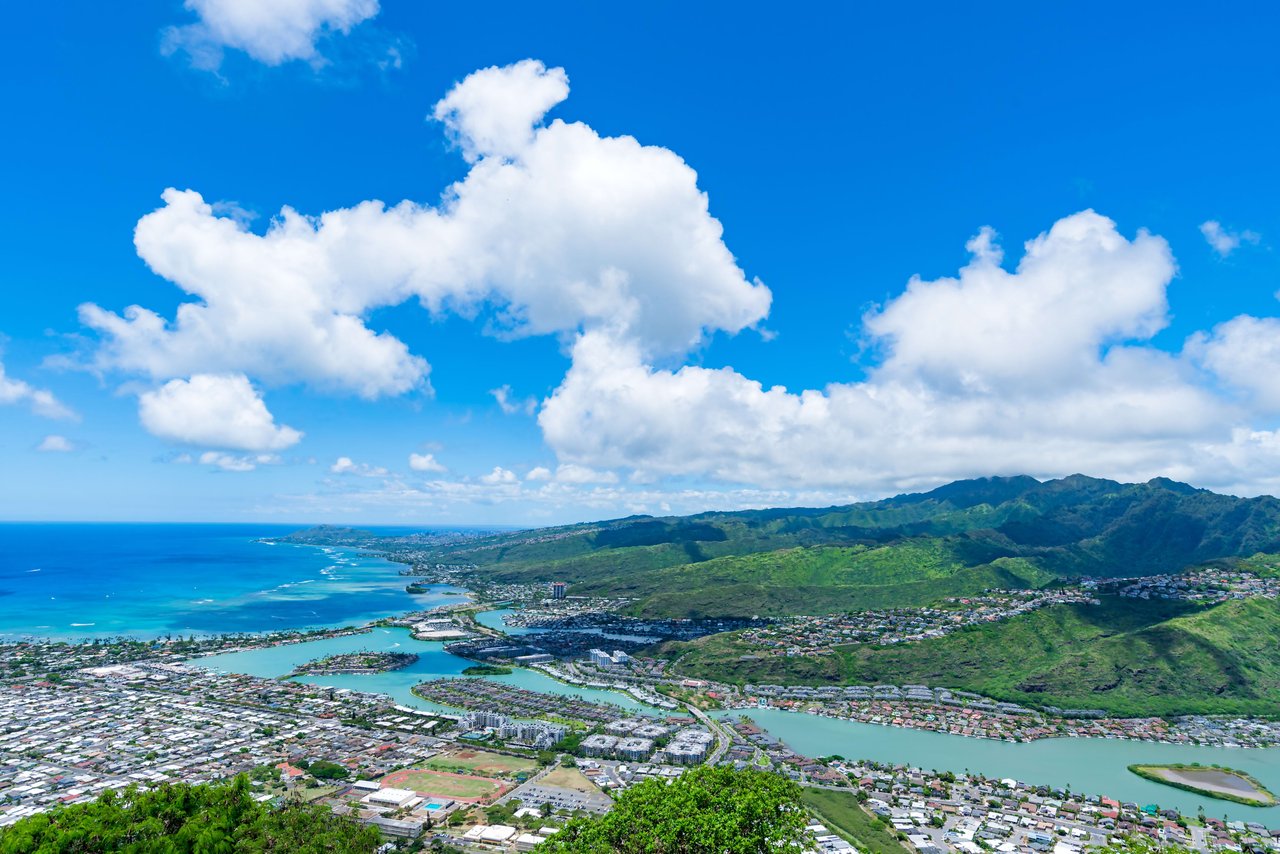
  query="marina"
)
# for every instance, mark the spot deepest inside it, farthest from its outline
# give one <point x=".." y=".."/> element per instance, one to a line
<point x="433" y="663"/>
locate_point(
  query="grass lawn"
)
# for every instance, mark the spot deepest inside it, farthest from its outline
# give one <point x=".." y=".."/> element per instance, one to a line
<point x="315" y="793"/>
<point x="457" y="787"/>
<point x="481" y="762"/>
<point x="569" y="778"/>
<point x="842" y="814"/>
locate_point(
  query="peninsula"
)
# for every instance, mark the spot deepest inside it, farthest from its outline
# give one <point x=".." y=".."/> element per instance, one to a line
<point x="1212" y="781"/>
<point x="356" y="662"/>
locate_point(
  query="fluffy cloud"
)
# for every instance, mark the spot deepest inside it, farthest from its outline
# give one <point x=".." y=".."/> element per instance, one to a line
<point x="1046" y="367"/>
<point x="345" y="465"/>
<point x="41" y="401"/>
<point x="54" y="444"/>
<point x="493" y="111"/>
<point x="1041" y="370"/>
<point x="555" y="230"/>
<point x="232" y="462"/>
<point x="1245" y="353"/>
<point x="499" y="475"/>
<point x="270" y="31"/>
<point x="284" y="307"/>
<point x="1225" y="242"/>
<point x="573" y="473"/>
<point x="1077" y="287"/>
<point x="508" y="403"/>
<point x="213" y="410"/>
<point x="425" y="462"/>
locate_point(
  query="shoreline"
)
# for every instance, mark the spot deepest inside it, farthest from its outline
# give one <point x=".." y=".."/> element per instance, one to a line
<point x="1264" y="798"/>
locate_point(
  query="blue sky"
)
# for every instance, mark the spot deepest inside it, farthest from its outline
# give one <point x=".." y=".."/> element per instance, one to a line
<point x="652" y="363"/>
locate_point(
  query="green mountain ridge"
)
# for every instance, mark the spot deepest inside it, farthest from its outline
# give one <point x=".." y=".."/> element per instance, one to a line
<point x="908" y="550"/>
<point x="1125" y="656"/>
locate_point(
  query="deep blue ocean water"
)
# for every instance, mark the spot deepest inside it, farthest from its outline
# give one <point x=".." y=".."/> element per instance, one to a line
<point x="77" y="580"/>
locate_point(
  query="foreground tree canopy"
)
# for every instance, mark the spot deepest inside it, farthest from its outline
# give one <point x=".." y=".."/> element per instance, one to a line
<point x="181" y="818"/>
<point x="707" y="810"/>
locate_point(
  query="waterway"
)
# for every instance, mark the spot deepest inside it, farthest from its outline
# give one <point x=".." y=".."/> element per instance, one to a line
<point x="434" y="662"/>
<point x="496" y="619"/>
<point x="1095" y="766"/>
<point x="1091" y="766"/>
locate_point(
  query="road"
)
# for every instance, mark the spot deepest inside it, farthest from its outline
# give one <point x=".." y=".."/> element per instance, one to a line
<point x="723" y="737"/>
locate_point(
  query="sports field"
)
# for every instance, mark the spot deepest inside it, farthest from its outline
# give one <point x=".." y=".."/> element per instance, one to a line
<point x="481" y="762"/>
<point x="442" y="784"/>
<point x="570" y="778"/>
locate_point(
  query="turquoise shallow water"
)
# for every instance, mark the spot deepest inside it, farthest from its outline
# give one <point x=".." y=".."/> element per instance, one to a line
<point x="433" y="662"/>
<point x="93" y="580"/>
<point x="1089" y="765"/>
<point x="494" y="620"/>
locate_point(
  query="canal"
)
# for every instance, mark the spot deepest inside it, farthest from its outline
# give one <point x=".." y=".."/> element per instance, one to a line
<point x="1096" y="766"/>
<point x="1086" y="765"/>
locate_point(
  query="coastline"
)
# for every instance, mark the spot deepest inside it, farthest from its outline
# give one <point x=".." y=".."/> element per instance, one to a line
<point x="214" y="643"/>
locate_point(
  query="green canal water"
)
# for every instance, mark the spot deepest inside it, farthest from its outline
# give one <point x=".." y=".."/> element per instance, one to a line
<point x="1087" y="765"/>
<point x="1095" y="766"/>
<point x="494" y="620"/>
<point x="433" y="663"/>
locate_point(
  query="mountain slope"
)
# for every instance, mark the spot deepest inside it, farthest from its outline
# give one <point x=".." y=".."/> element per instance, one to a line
<point x="905" y="550"/>
<point x="1125" y="656"/>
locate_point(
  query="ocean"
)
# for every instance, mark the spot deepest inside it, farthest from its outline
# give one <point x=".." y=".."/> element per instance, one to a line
<point x="78" y="580"/>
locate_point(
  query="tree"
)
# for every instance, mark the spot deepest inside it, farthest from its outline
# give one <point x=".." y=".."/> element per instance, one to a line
<point x="708" y="809"/>
<point x="322" y="769"/>
<point x="184" y="819"/>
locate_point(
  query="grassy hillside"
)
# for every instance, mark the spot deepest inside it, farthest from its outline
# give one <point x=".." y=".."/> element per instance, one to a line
<point x="842" y="814"/>
<point x="818" y="580"/>
<point x="1128" y="657"/>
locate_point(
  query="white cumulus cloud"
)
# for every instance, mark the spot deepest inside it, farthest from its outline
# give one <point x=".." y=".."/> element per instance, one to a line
<point x="1042" y="370"/>
<point x="425" y="462"/>
<point x="574" y="473"/>
<point x="555" y="230"/>
<point x="270" y="31"/>
<point x="41" y="401"/>
<point x="509" y="404"/>
<point x="277" y="307"/>
<point x="1223" y="241"/>
<point x="1245" y="353"/>
<point x="233" y="462"/>
<point x="56" y="444"/>
<point x="1077" y="287"/>
<point x="213" y="410"/>
<point x="499" y="476"/>
<point x="494" y="111"/>
<point x="345" y="465"/>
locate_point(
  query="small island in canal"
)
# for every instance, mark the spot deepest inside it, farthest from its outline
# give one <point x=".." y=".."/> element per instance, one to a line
<point x="356" y="662"/>
<point x="1212" y="781"/>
